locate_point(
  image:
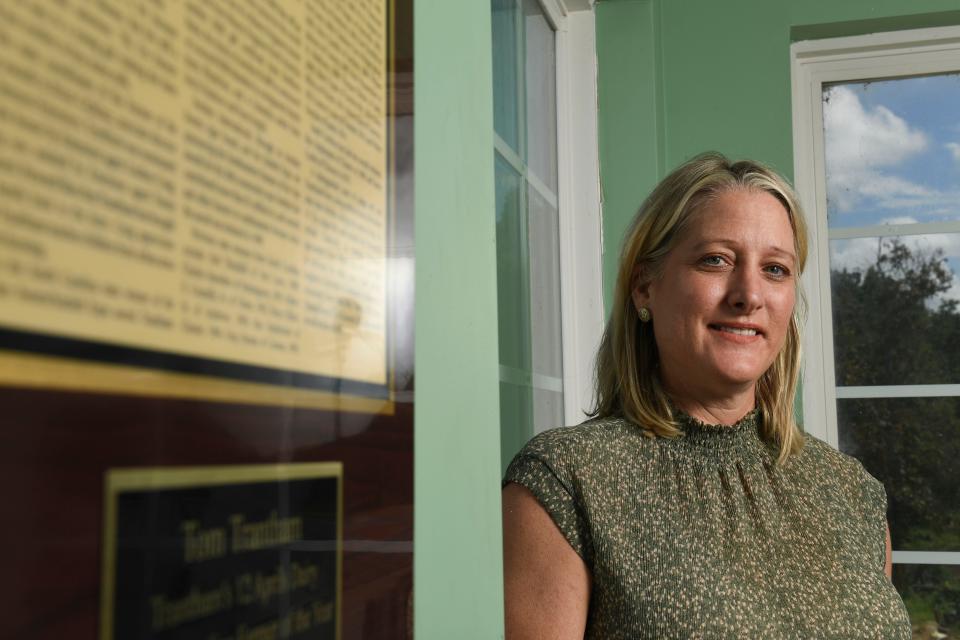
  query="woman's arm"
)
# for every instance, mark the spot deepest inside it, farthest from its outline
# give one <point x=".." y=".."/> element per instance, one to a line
<point x="546" y="584"/>
<point x="888" y="568"/>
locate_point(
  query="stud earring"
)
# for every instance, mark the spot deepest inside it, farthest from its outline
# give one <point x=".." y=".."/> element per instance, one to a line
<point x="644" y="314"/>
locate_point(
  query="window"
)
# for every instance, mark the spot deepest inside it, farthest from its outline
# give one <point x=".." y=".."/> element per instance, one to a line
<point x="548" y="258"/>
<point x="877" y="147"/>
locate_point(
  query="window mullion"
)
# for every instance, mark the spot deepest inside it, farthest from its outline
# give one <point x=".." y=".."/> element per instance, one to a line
<point x="509" y="155"/>
<point x="891" y="230"/>
<point x="926" y="557"/>
<point x="542" y="189"/>
<point x="900" y="391"/>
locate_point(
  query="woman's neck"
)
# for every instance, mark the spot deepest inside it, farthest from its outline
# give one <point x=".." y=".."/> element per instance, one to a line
<point x="726" y="410"/>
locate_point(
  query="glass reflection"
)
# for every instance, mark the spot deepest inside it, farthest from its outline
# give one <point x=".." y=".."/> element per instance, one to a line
<point x="544" y="245"/>
<point x="506" y="120"/>
<point x="513" y="306"/>
<point x="541" y="82"/>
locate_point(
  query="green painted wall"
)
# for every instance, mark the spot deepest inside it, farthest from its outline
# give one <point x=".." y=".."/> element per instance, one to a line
<point x="458" y="575"/>
<point x="629" y="84"/>
<point x="677" y="77"/>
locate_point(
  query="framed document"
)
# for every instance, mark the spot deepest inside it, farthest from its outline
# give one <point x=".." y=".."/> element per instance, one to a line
<point x="200" y="201"/>
<point x="206" y="319"/>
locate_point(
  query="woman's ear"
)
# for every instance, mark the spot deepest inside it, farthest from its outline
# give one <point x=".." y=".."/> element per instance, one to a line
<point x="640" y="290"/>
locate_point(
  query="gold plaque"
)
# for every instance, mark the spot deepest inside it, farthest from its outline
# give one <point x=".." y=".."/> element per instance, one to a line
<point x="222" y="552"/>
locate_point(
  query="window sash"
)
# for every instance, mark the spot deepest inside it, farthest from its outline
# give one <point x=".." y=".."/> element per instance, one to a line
<point x="814" y="64"/>
<point x="577" y="198"/>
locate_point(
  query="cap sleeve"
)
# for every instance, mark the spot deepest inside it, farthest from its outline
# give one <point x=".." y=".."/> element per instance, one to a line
<point x="545" y="475"/>
<point x="874" y="503"/>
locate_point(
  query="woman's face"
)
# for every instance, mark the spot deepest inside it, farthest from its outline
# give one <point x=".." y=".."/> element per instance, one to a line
<point x="722" y="304"/>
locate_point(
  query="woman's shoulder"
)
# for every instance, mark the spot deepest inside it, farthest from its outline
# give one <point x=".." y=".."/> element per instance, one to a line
<point x="816" y="451"/>
<point x="567" y="468"/>
<point x="831" y="467"/>
<point x="844" y="485"/>
<point x="583" y="455"/>
<point x="599" y="436"/>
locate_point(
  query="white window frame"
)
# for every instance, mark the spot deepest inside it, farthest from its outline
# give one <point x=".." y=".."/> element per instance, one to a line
<point x="813" y="64"/>
<point x="578" y="173"/>
<point x="578" y="205"/>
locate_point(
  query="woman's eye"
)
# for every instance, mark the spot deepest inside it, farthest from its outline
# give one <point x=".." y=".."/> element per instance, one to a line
<point x="778" y="270"/>
<point x="713" y="261"/>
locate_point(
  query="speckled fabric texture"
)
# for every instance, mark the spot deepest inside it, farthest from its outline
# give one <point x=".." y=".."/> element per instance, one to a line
<point x="704" y="536"/>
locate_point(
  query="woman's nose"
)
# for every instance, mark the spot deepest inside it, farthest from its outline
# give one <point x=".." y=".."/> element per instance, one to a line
<point x="745" y="292"/>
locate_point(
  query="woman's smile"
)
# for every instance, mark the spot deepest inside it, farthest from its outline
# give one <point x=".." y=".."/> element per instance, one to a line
<point x="737" y="332"/>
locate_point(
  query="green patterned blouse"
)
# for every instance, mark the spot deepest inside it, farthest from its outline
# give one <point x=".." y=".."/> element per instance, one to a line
<point x="704" y="536"/>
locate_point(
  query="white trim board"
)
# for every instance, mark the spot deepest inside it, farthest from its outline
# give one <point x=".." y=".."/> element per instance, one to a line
<point x="887" y="230"/>
<point x="900" y="391"/>
<point x="578" y="171"/>
<point x="926" y="557"/>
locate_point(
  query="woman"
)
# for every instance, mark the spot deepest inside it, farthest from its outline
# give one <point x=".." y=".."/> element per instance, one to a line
<point x="691" y="506"/>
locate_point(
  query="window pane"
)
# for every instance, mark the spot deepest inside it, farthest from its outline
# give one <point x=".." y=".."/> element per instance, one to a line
<point x="912" y="446"/>
<point x="545" y="286"/>
<point x="541" y="72"/>
<point x="506" y="66"/>
<point x="512" y="296"/>
<point x="895" y="310"/>
<point x="516" y="420"/>
<point x="528" y="256"/>
<point x="932" y="596"/>
<point x="892" y="151"/>
<point x="547" y="409"/>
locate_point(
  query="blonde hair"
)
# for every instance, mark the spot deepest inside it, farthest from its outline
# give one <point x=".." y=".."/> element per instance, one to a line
<point x="627" y="382"/>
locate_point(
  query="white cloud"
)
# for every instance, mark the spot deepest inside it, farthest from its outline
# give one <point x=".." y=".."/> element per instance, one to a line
<point x="884" y="187"/>
<point x="861" y="138"/>
<point x="953" y="293"/>
<point x="861" y="144"/>
<point x="954" y="149"/>
<point x="859" y="253"/>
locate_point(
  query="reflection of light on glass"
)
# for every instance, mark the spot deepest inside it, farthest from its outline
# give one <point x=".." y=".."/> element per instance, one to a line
<point x="400" y="292"/>
<point x="541" y="74"/>
<point x="505" y="116"/>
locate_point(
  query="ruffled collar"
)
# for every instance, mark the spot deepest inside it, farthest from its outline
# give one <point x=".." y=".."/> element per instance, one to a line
<point x="740" y="437"/>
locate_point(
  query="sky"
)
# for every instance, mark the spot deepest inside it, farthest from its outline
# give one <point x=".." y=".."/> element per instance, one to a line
<point x="893" y="157"/>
